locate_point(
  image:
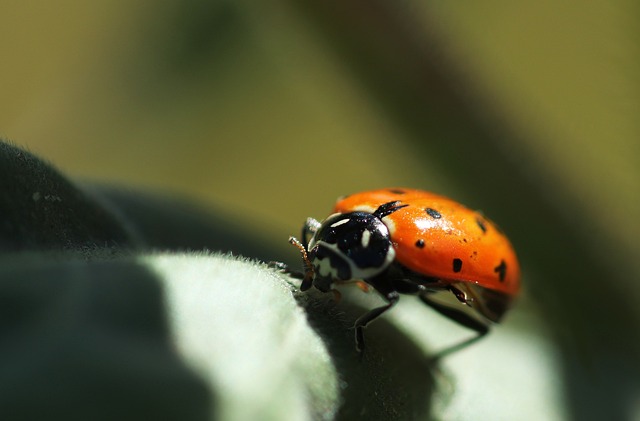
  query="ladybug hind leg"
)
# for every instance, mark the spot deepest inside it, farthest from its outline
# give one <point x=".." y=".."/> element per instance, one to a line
<point x="458" y="315"/>
<point x="461" y="317"/>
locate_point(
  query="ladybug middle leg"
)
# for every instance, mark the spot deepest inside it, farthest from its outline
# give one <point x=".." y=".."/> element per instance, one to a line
<point x="392" y="298"/>
<point x="390" y="289"/>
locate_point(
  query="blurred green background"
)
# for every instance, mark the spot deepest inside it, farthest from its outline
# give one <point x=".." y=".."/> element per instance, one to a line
<point x="270" y="110"/>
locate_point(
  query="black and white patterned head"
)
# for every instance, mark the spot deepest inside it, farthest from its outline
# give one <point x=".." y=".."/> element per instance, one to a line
<point x="349" y="246"/>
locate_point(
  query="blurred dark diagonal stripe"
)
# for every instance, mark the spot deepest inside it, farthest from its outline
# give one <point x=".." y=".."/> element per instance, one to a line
<point x="423" y="88"/>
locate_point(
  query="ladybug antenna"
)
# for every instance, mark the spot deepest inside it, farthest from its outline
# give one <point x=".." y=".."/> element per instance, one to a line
<point x="388" y="208"/>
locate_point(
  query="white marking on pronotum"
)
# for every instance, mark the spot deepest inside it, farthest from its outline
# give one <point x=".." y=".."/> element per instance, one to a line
<point x="340" y="222"/>
<point x="356" y="272"/>
<point x="324" y="268"/>
<point x="391" y="226"/>
<point x="366" y="236"/>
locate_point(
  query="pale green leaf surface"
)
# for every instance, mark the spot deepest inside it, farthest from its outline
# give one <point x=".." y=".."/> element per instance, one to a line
<point x="238" y="325"/>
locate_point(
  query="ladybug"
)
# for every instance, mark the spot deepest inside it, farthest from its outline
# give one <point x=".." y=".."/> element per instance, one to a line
<point x="407" y="241"/>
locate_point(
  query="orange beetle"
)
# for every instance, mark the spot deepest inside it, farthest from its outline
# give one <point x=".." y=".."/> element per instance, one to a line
<point x="407" y="241"/>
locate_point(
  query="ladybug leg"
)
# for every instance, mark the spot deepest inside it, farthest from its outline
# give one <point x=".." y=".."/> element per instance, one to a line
<point x="284" y="268"/>
<point x="308" y="229"/>
<point x="337" y="296"/>
<point x="392" y="298"/>
<point x="460" y="295"/>
<point x="407" y="286"/>
<point x="362" y="286"/>
<point x="463" y="319"/>
<point x="459" y="316"/>
<point x="390" y="290"/>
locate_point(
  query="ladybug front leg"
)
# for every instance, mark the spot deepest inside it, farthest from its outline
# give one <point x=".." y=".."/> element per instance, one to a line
<point x="284" y="268"/>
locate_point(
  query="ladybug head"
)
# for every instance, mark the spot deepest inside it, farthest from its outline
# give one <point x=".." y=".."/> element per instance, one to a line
<point x="349" y="246"/>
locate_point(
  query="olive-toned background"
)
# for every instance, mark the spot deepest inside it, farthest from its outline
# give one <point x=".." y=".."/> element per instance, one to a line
<point x="270" y="110"/>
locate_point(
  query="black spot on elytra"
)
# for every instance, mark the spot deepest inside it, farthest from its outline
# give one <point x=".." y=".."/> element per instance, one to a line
<point x="433" y="213"/>
<point x="397" y="191"/>
<point x="481" y="223"/>
<point x="457" y="265"/>
<point x="501" y="270"/>
<point x="420" y="243"/>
